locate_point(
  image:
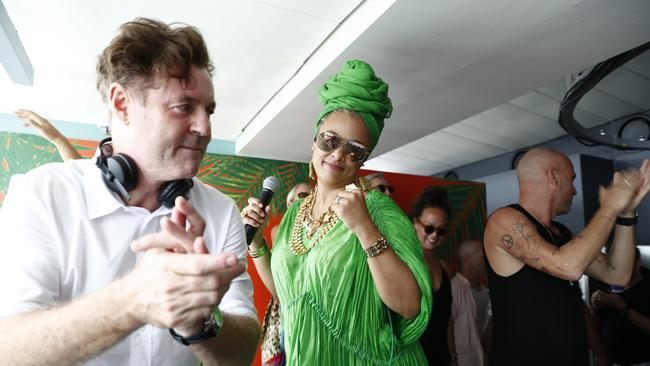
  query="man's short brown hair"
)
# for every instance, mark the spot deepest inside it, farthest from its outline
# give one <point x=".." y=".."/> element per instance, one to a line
<point x="146" y="49"/>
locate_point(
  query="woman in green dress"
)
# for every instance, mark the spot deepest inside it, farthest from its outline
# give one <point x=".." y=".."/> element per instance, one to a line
<point x="347" y="265"/>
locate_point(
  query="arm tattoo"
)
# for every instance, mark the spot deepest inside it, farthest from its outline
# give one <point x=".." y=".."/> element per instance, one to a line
<point x="529" y="238"/>
<point x="608" y="263"/>
<point x="576" y="238"/>
<point x="525" y="259"/>
<point x="610" y="266"/>
<point x="507" y="241"/>
<point x="606" y="260"/>
<point x="518" y="228"/>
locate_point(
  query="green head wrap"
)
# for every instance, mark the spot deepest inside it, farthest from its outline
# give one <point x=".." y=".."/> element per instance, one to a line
<point x="357" y="88"/>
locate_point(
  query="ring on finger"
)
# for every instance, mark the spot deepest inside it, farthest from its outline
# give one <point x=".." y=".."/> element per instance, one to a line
<point x="627" y="183"/>
<point x="337" y="200"/>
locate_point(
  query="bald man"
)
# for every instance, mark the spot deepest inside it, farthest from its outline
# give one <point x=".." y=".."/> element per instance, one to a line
<point x="534" y="262"/>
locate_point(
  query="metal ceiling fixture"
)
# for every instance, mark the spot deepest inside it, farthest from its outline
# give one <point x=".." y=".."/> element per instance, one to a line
<point x="636" y="127"/>
<point x="516" y="157"/>
<point x="451" y="174"/>
<point x="622" y="141"/>
<point x="12" y="53"/>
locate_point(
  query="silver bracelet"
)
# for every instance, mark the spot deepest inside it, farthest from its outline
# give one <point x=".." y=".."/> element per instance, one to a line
<point x="380" y="245"/>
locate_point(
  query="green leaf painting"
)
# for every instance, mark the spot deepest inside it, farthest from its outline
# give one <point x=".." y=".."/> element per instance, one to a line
<point x="236" y="176"/>
<point x="19" y="153"/>
<point x="242" y="177"/>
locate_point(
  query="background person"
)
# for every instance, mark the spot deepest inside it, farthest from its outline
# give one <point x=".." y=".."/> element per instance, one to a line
<point x="48" y="132"/>
<point x="533" y="262"/>
<point x="431" y="220"/>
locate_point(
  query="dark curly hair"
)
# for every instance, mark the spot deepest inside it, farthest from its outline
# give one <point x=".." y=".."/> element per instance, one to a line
<point x="431" y="197"/>
<point x="145" y="49"/>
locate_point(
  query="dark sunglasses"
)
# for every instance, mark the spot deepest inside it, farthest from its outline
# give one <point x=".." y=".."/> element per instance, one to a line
<point x="329" y="141"/>
<point x="384" y="188"/>
<point x="303" y="194"/>
<point x="429" y="229"/>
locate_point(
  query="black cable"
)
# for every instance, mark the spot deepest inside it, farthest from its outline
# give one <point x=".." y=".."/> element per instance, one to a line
<point x="583" y="85"/>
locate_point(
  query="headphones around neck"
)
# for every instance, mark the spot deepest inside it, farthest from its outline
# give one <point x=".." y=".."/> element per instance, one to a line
<point x="120" y="175"/>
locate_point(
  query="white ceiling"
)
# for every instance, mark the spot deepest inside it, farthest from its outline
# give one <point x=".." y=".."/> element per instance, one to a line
<point x="448" y="61"/>
<point x="461" y="72"/>
<point x="256" y="47"/>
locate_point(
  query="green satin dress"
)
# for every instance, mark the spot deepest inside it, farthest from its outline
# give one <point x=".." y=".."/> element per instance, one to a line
<point x="331" y="311"/>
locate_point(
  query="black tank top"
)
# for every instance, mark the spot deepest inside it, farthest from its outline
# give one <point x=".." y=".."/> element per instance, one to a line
<point x="537" y="319"/>
<point x="434" y="338"/>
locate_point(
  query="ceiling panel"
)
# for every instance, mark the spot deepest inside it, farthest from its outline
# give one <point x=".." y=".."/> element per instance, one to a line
<point x="443" y="153"/>
<point x="555" y="90"/>
<point x="445" y="138"/>
<point x="640" y="64"/>
<point x="400" y="163"/>
<point x="539" y="103"/>
<point x="526" y="119"/>
<point x="629" y="86"/>
<point x="604" y="107"/>
<point x="486" y="132"/>
<point x="331" y="10"/>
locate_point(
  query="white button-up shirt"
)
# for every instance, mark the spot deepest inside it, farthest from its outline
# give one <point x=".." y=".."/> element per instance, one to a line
<point x="65" y="235"/>
<point x="467" y="333"/>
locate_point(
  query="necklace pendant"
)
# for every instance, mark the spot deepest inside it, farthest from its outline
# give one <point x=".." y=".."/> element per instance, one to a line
<point x="309" y="228"/>
<point x="310" y="232"/>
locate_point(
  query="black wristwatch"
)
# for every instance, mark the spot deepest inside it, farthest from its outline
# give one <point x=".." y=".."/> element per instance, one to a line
<point x="211" y="328"/>
<point x="627" y="221"/>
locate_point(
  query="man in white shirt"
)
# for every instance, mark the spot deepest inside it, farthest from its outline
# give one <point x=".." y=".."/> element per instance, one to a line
<point x="102" y="272"/>
<point x="469" y="308"/>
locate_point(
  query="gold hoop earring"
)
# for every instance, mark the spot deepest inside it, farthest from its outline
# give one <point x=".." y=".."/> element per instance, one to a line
<point x="364" y="184"/>
<point x="312" y="172"/>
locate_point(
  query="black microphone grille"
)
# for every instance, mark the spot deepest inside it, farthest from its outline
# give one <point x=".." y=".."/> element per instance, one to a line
<point x="271" y="183"/>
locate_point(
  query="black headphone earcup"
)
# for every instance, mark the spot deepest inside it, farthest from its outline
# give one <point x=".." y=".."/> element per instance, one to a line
<point x="123" y="169"/>
<point x="173" y="189"/>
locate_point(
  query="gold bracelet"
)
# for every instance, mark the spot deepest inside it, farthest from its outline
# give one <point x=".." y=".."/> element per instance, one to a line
<point x="380" y="245"/>
<point x="259" y="252"/>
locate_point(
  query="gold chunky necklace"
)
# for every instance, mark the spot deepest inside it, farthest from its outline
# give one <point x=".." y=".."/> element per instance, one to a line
<point x="304" y="220"/>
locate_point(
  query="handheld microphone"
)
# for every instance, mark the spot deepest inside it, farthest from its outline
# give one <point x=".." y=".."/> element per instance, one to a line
<point x="269" y="186"/>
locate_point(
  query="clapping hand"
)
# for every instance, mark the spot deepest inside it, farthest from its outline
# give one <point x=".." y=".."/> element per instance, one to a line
<point x="644" y="174"/>
<point x="178" y="283"/>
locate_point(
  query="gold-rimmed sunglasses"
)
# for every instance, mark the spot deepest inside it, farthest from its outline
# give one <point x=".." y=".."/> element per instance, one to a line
<point x="329" y="141"/>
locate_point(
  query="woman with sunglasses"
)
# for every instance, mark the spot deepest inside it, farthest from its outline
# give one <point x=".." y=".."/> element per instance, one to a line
<point x="430" y="218"/>
<point x="346" y="264"/>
